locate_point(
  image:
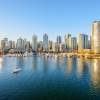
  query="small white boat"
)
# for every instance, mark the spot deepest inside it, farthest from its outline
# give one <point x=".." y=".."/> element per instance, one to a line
<point x="16" y="70"/>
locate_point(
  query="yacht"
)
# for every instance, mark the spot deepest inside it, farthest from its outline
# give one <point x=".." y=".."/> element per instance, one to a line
<point x="16" y="70"/>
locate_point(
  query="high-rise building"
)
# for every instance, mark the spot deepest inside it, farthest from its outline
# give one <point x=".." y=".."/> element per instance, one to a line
<point x="82" y="42"/>
<point x="45" y="42"/>
<point x="50" y="46"/>
<point x="86" y="46"/>
<point x="34" y="43"/>
<point x="96" y="37"/>
<point x="68" y="41"/>
<point x="10" y="44"/>
<point x="19" y="44"/>
<point x="59" y="40"/>
<point x="40" y="46"/>
<point x="74" y="43"/>
<point x="6" y="43"/>
<point x="63" y="47"/>
<point x="27" y="46"/>
<point x="13" y="44"/>
<point x="91" y="42"/>
<point x="5" y="39"/>
<point x="24" y="44"/>
<point x="54" y="47"/>
<point x="70" y="44"/>
<point x="2" y="44"/>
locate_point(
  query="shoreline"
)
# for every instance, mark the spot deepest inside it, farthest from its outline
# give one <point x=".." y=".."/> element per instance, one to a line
<point x="85" y="55"/>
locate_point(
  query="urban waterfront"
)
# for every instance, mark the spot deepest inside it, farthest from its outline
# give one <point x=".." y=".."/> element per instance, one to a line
<point x="43" y="78"/>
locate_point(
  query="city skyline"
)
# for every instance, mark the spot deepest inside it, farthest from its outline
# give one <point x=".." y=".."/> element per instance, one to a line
<point x="83" y="43"/>
<point x="54" y="17"/>
<point x="49" y="49"/>
<point x="69" y="44"/>
<point x="61" y="40"/>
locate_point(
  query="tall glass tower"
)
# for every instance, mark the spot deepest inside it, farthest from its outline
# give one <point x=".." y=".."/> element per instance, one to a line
<point x="34" y="43"/>
<point x="45" y="42"/>
<point x="96" y="36"/>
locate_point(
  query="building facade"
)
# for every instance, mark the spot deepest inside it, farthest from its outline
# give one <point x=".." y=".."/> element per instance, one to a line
<point x="82" y="42"/>
<point x="95" y="37"/>
<point x="45" y="42"/>
<point x="34" y="43"/>
<point x="74" y="43"/>
<point x="20" y="44"/>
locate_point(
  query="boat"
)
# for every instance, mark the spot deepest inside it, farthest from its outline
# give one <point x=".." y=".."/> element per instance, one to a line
<point x="16" y="70"/>
<point x="26" y="54"/>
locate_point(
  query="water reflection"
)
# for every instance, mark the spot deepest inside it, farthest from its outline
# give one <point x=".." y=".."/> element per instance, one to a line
<point x="20" y="62"/>
<point x="95" y="73"/>
<point x="1" y="63"/>
<point x="82" y="67"/>
<point x="45" y="64"/>
<point x="69" y="65"/>
<point x="59" y="63"/>
<point x="49" y="78"/>
<point x="34" y="63"/>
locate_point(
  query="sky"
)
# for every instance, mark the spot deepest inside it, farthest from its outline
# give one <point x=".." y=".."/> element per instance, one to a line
<point x="23" y="18"/>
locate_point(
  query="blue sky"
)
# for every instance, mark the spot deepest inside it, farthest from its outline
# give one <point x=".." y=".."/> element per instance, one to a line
<point x="54" y="17"/>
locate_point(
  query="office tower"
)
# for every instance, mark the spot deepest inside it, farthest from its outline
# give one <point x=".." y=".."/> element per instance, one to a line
<point x="63" y="47"/>
<point x="54" y="47"/>
<point x="24" y="44"/>
<point x="96" y="37"/>
<point x="59" y="40"/>
<point x="34" y="43"/>
<point x="10" y="44"/>
<point x="45" y="42"/>
<point x="86" y="46"/>
<point x="2" y="44"/>
<point x="19" y="44"/>
<point x="50" y="46"/>
<point x="70" y="44"/>
<point x="27" y="46"/>
<point x="68" y="41"/>
<point x="91" y="42"/>
<point x="82" y="42"/>
<point x="40" y="46"/>
<point x="13" y="44"/>
<point x="67" y="36"/>
<point x="74" y="43"/>
<point x="6" y="43"/>
<point x="5" y="39"/>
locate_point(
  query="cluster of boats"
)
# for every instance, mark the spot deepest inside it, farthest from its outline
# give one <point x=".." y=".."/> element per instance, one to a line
<point x="26" y="54"/>
<point x="54" y="55"/>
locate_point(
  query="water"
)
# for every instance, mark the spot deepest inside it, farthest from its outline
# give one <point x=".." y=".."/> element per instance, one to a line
<point x="49" y="79"/>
